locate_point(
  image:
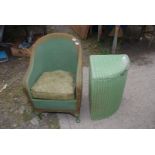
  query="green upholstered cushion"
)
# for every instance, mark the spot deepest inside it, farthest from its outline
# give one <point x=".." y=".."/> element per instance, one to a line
<point x="57" y="85"/>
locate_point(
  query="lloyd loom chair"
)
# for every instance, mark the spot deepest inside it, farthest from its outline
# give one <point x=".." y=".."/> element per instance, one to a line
<point x="55" y="52"/>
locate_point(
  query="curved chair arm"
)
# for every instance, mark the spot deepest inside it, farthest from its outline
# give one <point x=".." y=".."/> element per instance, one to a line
<point x="31" y="74"/>
<point x="26" y="79"/>
<point x="79" y="78"/>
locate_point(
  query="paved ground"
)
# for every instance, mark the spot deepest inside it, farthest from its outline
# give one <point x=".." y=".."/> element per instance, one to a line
<point x="137" y="109"/>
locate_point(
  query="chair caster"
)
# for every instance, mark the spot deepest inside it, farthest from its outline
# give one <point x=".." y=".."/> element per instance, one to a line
<point x="77" y="118"/>
<point x="39" y="114"/>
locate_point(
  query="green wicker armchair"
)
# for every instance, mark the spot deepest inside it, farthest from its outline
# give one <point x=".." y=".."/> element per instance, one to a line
<point x="56" y="51"/>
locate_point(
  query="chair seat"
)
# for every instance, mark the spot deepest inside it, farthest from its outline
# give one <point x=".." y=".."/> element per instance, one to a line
<point x="56" y="85"/>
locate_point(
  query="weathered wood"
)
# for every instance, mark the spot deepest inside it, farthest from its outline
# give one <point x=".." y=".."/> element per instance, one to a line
<point x="81" y="30"/>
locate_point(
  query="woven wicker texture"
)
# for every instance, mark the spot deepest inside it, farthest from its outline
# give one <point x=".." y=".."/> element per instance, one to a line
<point x="56" y="51"/>
<point x="107" y="80"/>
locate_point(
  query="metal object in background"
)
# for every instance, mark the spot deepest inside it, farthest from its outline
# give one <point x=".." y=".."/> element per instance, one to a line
<point x="114" y="45"/>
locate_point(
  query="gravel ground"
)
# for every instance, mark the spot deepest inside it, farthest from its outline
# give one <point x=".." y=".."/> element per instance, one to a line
<point x="15" y="110"/>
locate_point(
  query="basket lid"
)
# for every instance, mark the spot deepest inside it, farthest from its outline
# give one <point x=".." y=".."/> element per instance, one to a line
<point x="106" y="66"/>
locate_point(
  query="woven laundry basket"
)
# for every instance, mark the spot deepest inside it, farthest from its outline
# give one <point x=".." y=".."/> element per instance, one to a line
<point x="107" y="77"/>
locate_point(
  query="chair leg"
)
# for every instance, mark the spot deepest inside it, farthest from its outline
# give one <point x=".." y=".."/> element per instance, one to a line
<point x="39" y="114"/>
<point x="77" y="118"/>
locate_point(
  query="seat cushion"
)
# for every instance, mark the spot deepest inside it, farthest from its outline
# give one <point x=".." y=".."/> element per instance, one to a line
<point x="57" y="85"/>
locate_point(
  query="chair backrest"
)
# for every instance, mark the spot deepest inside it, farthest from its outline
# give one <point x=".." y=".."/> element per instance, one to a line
<point x="56" y="51"/>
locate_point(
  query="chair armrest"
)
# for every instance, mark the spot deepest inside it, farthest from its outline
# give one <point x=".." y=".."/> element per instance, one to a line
<point x="79" y="76"/>
<point x="26" y="79"/>
<point x="31" y="75"/>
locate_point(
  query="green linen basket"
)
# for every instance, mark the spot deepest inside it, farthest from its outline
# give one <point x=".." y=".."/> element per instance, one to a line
<point x="107" y="77"/>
